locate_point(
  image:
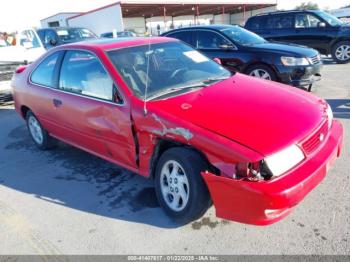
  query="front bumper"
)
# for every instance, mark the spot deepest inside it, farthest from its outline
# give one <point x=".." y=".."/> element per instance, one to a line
<point x="300" y="76"/>
<point x="266" y="202"/>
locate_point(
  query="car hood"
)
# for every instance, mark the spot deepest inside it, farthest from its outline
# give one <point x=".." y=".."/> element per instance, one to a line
<point x="286" y="49"/>
<point x="262" y="115"/>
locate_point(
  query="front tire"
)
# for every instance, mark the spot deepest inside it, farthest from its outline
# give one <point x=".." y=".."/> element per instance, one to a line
<point x="38" y="134"/>
<point x="180" y="188"/>
<point x="261" y="71"/>
<point x="341" y="52"/>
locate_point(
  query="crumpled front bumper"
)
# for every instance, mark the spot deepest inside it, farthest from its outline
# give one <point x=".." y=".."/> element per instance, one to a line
<point x="266" y="202"/>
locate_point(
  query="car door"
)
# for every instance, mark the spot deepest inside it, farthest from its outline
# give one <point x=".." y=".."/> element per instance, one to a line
<point x="215" y="45"/>
<point x="312" y="31"/>
<point x="87" y="112"/>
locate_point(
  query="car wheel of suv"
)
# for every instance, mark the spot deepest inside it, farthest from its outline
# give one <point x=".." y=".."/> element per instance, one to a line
<point x="341" y="52"/>
<point x="180" y="188"/>
<point x="39" y="135"/>
<point x="261" y="71"/>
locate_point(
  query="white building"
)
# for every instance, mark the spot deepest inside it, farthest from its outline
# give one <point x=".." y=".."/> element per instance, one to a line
<point x="57" y="20"/>
<point x="155" y="16"/>
<point x="343" y="13"/>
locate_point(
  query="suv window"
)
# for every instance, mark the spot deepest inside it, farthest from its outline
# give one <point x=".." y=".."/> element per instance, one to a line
<point x="256" y="23"/>
<point x="44" y="73"/>
<point x="210" y="40"/>
<point x="82" y="73"/>
<point x="280" y="22"/>
<point x="184" y="36"/>
<point x="306" y="21"/>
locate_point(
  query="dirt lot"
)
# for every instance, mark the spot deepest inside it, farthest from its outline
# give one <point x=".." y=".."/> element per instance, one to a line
<point x="66" y="201"/>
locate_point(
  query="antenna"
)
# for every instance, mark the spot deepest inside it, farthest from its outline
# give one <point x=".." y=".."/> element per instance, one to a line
<point x="147" y="70"/>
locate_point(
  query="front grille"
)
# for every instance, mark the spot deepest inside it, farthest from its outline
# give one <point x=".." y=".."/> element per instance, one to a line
<point x="315" y="59"/>
<point x="312" y="143"/>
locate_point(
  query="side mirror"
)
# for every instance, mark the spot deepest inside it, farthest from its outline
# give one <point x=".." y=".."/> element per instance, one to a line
<point x="53" y="42"/>
<point x="321" y="24"/>
<point x="217" y="60"/>
<point x="117" y="98"/>
<point x="226" y="46"/>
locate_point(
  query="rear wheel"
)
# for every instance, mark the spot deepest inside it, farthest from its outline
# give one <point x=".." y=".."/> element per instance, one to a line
<point x="261" y="71"/>
<point x="180" y="188"/>
<point x="38" y="134"/>
<point x="341" y="52"/>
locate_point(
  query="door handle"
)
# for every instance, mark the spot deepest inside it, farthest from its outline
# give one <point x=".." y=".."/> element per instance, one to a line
<point x="57" y="103"/>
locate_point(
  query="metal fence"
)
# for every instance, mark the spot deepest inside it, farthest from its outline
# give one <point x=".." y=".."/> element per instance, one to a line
<point x="7" y="70"/>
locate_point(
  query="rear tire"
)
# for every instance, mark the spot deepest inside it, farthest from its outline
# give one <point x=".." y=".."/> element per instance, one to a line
<point x="262" y="71"/>
<point x="180" y="188"/>
<point x="341" y="52"/>
<point x="39" y="135"/>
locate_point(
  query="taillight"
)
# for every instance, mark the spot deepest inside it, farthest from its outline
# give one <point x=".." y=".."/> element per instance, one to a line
<point x="20" y="69"/>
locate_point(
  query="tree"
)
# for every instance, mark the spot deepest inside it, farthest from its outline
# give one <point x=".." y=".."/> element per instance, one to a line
<point x="307" y="6"/>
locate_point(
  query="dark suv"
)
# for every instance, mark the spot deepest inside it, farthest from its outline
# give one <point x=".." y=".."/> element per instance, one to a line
<point x="316" y="29"/>
<point x="243" y="51"/>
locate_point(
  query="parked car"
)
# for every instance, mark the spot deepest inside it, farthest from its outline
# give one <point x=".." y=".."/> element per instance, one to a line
<point x="119" y="34"/>
<point x="313" y="28"/>
<point x="245" y="52"/>
<point x="3" y="43"/>
<point x="32" y="43"/>
<point x="165" y="111"/>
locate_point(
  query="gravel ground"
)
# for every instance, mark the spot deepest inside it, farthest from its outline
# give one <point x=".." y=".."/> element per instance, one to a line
<point x="66" y="201"/>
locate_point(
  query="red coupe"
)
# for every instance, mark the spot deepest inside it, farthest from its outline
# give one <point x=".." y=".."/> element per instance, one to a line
<point x="159" y="108"/>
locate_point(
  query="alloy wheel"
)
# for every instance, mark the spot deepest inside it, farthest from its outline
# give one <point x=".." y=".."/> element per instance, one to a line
<point x="343" y="52"/>
<point x="35" y="130"/>
<point x="260" y="73"/>
<point x="174" y="185"/>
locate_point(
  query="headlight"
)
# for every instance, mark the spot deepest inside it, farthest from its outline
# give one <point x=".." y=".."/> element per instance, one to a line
<point x="294" y="61"/>
<point x="329" y="116"/>
<point x="284" y="160"/>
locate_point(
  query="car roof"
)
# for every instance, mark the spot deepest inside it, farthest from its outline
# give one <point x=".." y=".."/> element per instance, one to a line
<point x="285" y="12"/>
<point x="216" y="27"/>
<point x="106" y="44"/>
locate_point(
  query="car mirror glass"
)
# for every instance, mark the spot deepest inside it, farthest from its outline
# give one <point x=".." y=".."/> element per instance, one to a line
<point x="27" y="44"/>
<point x="321" y="24"/>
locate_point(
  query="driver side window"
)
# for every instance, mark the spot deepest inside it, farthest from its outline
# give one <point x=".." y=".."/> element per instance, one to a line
<point x="210" y="40"/>
<point x="306" y="21"/>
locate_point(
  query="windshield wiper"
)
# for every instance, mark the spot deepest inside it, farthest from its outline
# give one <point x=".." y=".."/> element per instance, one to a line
<point x="176" y="89"/>
<point x="201" y="84"/>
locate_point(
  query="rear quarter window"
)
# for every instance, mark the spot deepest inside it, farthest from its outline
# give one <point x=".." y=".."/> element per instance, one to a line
<point x="44" y="73"/>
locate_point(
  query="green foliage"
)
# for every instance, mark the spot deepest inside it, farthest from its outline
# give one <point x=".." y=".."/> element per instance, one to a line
<point x="307" y="6"/>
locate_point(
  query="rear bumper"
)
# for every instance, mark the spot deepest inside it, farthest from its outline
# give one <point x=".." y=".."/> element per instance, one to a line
<point x="266" y="202"/>
<point x="300" y="75"/>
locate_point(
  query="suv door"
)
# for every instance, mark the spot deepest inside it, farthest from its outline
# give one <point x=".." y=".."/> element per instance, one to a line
<point x="87" y="111"/>
<point x="310" y="32"/>
<point x="183" y="35"/>
<point x="215" y="45"/>
<point x="280" y="27"/>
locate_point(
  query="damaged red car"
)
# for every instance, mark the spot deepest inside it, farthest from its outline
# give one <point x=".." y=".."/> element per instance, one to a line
<point x="157" y="107"/>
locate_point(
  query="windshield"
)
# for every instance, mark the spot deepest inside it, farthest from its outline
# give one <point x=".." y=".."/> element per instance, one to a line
<point x="68" y="35"/>
<point x="173" y="66"/>
<point x="332" y="20"/>
<point x="242" y="36"/>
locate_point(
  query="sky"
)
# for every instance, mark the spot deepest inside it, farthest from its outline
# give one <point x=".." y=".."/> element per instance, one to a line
<point x="17" y="14"/>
